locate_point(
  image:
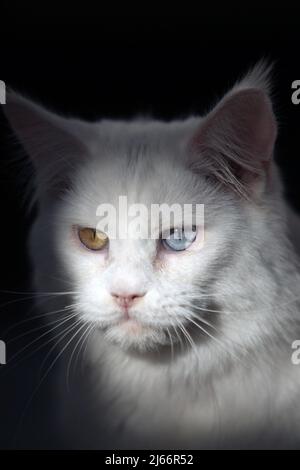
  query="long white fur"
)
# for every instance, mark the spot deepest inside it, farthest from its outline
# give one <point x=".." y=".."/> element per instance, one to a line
<point x="235" y="386"/>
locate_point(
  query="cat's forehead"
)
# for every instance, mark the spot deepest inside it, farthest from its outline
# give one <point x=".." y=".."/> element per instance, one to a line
<point x="144" y="173"/>
<point x="146" y="164"/>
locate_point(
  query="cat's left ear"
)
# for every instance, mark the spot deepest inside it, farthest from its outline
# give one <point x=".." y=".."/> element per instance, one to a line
<point x="235" y="141"/>
<point x="53" y="143"/>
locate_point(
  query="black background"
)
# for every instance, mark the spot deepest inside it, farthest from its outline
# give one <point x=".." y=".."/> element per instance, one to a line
<point x="121" y="64"/>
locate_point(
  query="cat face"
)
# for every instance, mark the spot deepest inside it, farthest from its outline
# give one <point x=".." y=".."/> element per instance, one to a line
<point x="140" y="292"/>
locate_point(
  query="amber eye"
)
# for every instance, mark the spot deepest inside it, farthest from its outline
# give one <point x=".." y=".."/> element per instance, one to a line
<point x="93" y="239"/>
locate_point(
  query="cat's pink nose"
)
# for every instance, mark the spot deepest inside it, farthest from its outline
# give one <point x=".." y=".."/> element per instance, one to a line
<point x="126" y="300"/>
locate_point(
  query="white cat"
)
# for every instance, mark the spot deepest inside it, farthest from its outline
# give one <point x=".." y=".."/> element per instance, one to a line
<point x="184" y="344"/>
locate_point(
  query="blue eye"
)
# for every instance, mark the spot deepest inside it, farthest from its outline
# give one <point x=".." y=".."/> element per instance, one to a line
<point x="179" y="239"/>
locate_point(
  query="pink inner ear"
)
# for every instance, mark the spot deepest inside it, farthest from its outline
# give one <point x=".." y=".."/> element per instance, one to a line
<point x="251" y="114"/>
<point x="244" y="121"/>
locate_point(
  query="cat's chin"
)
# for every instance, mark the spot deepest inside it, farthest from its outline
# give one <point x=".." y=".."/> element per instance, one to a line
<point x="132" y="334"/>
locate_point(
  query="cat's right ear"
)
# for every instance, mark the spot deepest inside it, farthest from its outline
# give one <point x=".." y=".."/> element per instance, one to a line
<point x="52" y="142"/>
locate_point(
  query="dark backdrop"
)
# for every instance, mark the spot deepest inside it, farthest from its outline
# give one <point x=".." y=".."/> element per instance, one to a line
<point x="94" y="64"/>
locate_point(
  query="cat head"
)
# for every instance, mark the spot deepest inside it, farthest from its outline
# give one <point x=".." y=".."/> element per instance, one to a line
<point x="148" y="292"/>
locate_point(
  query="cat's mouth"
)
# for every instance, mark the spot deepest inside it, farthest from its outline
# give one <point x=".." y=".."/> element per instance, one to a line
<point x="131" y="333"/>
<point x="133" y="326"/>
